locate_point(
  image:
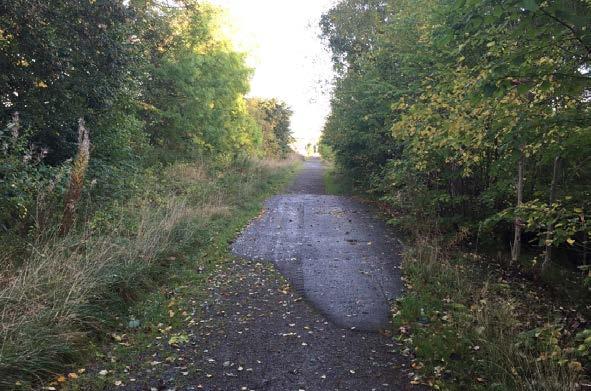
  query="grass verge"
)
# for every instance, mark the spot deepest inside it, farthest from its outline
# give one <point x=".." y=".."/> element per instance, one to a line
<point x="468" y="323"/>
<point x="72" y="292"/>
<point x="335" y="182"/>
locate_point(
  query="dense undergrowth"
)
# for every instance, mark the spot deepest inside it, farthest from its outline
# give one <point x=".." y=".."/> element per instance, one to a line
<point x="75" y="289"/>
<point x="470" y="320"/>
<point x="468" y="122"/>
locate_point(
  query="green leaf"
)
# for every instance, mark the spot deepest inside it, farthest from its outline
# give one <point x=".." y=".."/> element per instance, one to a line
<point x="530" y="5"/>
<point x="178" y="339"/>
<point x="523" y="88"/>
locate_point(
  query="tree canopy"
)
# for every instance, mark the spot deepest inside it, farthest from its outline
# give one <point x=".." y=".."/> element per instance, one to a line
<point x="273" y="117"/>
<point x="154" y="82"/>
<point x="449" y="109"/>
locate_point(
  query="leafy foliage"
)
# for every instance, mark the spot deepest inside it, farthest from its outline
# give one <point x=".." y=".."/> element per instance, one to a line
<point x="436" y="104"/>
<point x="61" y="61"/>
<point x="155" y="83"/>
<point x="273" y="118"/>
<point x="194" y="99"/>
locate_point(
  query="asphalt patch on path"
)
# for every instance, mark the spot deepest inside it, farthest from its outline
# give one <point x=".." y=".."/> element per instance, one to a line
<point x="332" y="249"/>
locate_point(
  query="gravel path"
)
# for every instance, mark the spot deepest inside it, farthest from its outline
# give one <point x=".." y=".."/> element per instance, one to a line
<point x="332" y="250"/>
<point x="261" y="331"/>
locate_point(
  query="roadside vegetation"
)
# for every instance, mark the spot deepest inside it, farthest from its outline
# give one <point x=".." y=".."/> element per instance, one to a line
<point x="129" y="152"/>
<point x="335" y="182"/>
<point x="114" y="290"/>
<point x="469" y="123"/>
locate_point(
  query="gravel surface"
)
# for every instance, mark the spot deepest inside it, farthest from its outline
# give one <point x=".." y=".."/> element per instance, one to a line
<point x="261" y="331"/>
<point x="332" y="250"/>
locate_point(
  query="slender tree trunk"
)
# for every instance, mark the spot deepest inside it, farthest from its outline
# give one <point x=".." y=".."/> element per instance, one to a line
<point x="15" y="126"/>
<point x="516" y="250"/>
<point x="585" y="249"/>
<point x="550" y="227"/>
<point x="76" y="178"/>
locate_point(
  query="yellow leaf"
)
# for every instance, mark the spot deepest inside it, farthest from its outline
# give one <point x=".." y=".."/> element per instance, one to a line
<point x="570" y="241"/>
<point x="575" y="366"/>
<point x="61" y="379"/>
<point x="72" y="375"/>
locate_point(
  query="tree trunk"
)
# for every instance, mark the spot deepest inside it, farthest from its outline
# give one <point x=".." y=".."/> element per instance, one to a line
<point x="550" y="227"/>
<point x="516" y="250"/>
<point x="585" y="250"/>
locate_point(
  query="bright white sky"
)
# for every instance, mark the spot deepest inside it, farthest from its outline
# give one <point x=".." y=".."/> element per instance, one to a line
<point x="290" y="62"/>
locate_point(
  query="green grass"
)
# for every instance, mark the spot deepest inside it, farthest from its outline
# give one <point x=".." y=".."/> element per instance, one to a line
<point x="90" y="288"/>
<point x="469" y="326"/>
<point x="336" y="183"/>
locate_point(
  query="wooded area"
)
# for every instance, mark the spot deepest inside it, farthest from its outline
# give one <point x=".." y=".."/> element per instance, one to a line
<point x="469" y="121"/>
<point x="469" y="115"/>
<point x="125" y="131"/>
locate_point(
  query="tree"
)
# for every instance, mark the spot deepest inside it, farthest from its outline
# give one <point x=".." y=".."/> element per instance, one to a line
<point x="62" y="60"/>
<point x="194" y="101"/>
<point x="450" y="110"/>
<point x="274" y="118"/>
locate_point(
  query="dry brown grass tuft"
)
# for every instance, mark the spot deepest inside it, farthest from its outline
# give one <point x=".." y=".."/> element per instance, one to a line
<point x="273" y="164"/>
<point x="77" y="175"/>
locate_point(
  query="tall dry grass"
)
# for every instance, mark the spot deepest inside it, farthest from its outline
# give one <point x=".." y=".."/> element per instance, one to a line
<point x="274" y="164"/>
<point x="79" y="167"/>
<point x="67" y="287"/>
<point x="60" y="292"/>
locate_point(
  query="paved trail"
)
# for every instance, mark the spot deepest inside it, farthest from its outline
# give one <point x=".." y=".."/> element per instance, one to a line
<point x="332" y="250"/>
<point x="315" y="333"/>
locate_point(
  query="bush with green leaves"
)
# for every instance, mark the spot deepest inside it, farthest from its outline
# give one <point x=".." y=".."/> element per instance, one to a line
<point x="273" y="117"/>
<point x="450" y="109"/>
